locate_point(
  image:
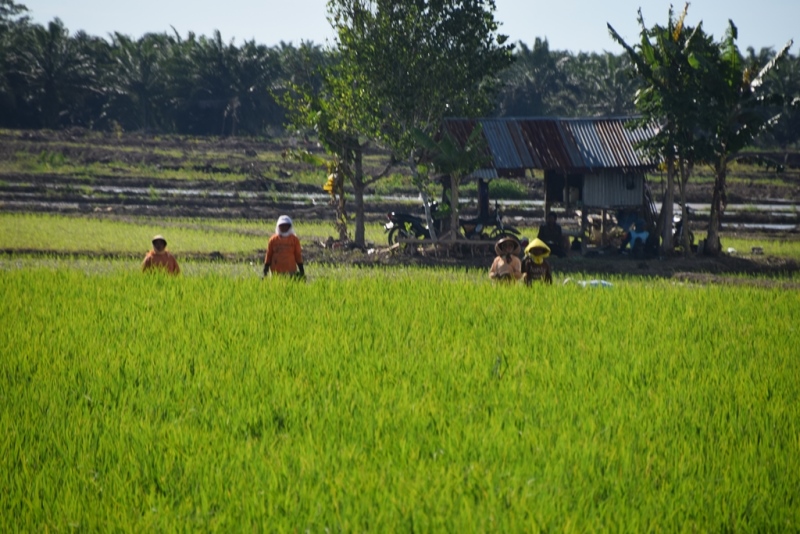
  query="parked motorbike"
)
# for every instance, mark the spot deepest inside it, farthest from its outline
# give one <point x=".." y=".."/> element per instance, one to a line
<point x="677" y="233"/>
<point x="488" y="228"/>
<point x="403" y="225"/>
<point x="407" y="226"/>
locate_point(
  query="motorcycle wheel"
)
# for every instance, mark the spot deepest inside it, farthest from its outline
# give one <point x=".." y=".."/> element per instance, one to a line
<point x="397" y="233"/>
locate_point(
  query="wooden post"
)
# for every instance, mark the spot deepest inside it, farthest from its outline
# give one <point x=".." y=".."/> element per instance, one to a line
<point x="584" y="223"/>
<point x="603" y="228"/>
<point x="546" y="195"/>
<point x="454" y="227"/>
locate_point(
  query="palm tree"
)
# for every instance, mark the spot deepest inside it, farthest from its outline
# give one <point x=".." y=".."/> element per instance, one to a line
<point x="12" y="25"/>
<point x="257" y="69"/>
<point x="138" y="79"/>
<point x="607" y="84"/>
<point x="536" y="83"/>
<point x="56" y="71"/>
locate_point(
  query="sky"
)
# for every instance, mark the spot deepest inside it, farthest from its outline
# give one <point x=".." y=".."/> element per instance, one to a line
<point x="574" y="25"/>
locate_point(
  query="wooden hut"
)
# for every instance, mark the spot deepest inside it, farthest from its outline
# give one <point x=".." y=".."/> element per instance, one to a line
<point x="588" y="164"/>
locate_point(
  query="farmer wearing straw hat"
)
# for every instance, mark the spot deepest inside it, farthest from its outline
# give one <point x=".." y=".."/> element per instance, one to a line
<point x="507" y="266"/>
<point x="284" y="255"/>
<point x="534" y="267"/>
<point x="159" y="258"/>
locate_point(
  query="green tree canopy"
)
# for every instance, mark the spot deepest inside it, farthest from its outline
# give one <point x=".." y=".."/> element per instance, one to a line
<point x="414" y="62"/>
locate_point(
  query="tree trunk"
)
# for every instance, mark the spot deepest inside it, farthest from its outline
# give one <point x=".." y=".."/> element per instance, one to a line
<point x="666" y="208"/>
<point x="341" y="210"/>
<point x="50" y="106"/>
<point x="426" y="200"/>
<point x="145" y="118"/>
<point x="684" y="179"/>
<point x="338" y="199"/>
<point x="713" y="245"/>
<point x="454" y="227"/>
<point x="358" y="199"/>
<point x="426" y="203"/>
<point x="358" y="193"/>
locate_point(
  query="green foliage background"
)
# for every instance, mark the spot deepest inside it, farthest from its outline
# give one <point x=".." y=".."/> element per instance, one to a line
<point x="421" y="400"/>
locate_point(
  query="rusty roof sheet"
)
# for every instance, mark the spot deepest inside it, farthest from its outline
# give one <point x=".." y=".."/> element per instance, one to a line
<point x="567" y="145"/>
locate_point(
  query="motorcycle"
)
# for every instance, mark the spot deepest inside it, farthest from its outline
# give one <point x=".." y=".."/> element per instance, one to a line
<point x="677" y="233"/>
<point x="488" y="228"/>
<point x="407" y="226"/>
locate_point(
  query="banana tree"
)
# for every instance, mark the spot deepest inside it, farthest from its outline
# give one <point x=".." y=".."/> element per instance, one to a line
<point x="669" y="60"/>
<point x="741" y="107"/>
<point x="786" y="81"/>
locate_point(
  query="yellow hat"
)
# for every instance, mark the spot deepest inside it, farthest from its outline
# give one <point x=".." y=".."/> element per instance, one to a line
<point x="159" y="237"/>
<point x="537" y="247"/>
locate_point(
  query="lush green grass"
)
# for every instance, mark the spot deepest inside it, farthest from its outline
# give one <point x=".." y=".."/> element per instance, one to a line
<point x="63" y="233"/>
<point x="56" y="163"/>
<point x="743" y="246"/>
<point x="185" y="235"/>
<point x="397" y="400"/>
<point x="737" y="173"/>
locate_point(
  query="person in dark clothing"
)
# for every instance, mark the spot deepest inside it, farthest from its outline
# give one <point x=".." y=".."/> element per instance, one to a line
<point x="534" y="266"/>
<point x="551" y="234"/>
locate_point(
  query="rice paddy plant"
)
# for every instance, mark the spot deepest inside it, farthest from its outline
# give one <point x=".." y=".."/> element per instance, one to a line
<point x="64" y="233"/>
<point x="53" y="232"/>
<point x="402" y="399"/>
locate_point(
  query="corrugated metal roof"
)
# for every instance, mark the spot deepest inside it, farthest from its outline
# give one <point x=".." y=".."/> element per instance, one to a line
<point x="505" y="153"/>
<point x="566" y="145"/>
<point x="546" y="142"/>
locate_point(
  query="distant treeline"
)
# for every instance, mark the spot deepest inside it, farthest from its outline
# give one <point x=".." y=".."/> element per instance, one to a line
<point x="50" y="78"/>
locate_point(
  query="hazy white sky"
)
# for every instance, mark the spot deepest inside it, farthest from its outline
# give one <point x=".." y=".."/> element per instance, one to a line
<point x="576" y="25"/>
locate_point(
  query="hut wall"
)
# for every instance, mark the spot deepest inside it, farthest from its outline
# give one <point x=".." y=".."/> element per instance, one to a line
<point x="613" y="190"/>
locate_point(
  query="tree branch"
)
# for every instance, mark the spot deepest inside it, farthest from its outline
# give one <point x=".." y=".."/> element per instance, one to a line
<point x="389" y="166"/>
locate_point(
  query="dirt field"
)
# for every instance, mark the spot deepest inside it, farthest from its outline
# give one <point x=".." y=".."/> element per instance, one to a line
<point x="78" y="171"/>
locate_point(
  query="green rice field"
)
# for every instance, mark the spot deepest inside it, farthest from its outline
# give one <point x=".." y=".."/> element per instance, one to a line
<point x="397" y="399"/>
<point x="19" y="231"/>
<point x="76" y="234"/>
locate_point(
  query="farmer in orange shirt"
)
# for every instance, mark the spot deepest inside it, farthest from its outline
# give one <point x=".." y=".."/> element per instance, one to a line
<point x="284" y="255"/>
<point x="159" y="258"/>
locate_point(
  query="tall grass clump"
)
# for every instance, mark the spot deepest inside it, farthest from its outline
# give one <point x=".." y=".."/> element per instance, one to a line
<point x="408" y="400"/>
